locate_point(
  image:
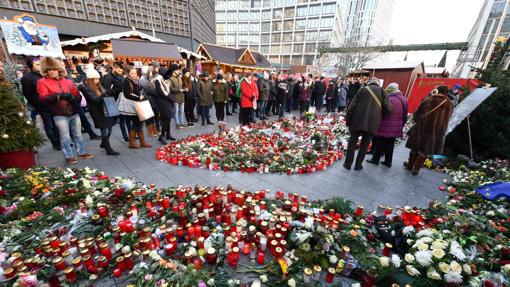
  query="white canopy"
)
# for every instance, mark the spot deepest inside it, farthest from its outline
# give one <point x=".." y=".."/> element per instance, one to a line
<point x="188" y="52"/>
<point x="107" y="37"/>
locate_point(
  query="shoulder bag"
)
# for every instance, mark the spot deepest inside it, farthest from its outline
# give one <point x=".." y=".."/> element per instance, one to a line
<point x="126" y="106"/>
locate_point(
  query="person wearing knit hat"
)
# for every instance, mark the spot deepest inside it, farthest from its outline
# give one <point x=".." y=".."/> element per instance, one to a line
<point x="63" y="99"/>
<point x="454" y="94"/>
<point x="94" y="93"/>
<point x="205" y="99"/>
<point x="391" y="127"/>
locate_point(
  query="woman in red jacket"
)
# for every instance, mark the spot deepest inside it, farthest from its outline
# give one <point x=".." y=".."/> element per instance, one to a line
<point x="63" y="99"/>
<point x="249" y="93"/>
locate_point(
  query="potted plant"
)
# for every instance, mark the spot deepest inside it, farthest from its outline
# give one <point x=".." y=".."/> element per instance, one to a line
<point x="18" y="134"/>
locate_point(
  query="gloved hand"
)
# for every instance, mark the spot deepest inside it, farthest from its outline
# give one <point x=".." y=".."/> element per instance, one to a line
<point x="252" y="98"/>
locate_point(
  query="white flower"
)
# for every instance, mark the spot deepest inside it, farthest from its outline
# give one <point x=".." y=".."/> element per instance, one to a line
<point x="126" y="249"/>
<point x="408" y="230"/>
<point x="432" y="274"/>
<point x="384" y="261"/>
<point x="438" y="253"/>
<point x="291" y="282"/>
<point x="506" y="268"/>
<point x="412" y="271"/>
<point x="86" y="183"/>
<point x="426" y="239"/>
<point x="456" y="250"/>
<point x="467" y="269"/>
<point x="333" y="259"/>
<point x="118" y="246"/>
<point x="455" y="267"/>
<point x="453" y="277"/>
<point x="256" y="283"/>
<point x="424" y="232"/>
<point x="210" y="282"/>
<point x="409" y="258"/>
<point x="232" y="282"/>
<point x="89" y="202"/>
<point x="439" y="244"/>
<point x="154" y="255"/>
<point x="444" y="267"/>
<point x="424" y="258"/>
<point x="475" y="282"/>
<point x="263" y="278"/>
<point x="396" y="261"/>
<point x="423" y="247"/>
<point x="491" y="213"/>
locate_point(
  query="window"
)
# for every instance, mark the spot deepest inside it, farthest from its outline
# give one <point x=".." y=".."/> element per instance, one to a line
<point x="298" y="48"/>
<point x="287" y="37"/>
<point x="289" y="24"/>
<point x="221" y="16"/>
<point x="277" y="26"/>
<point x="242" y="39"/>
<point x="265" y="27"/>
<point x="299" y="36"/>
<point x="220" y="27"/>
<point x="232" y="15"/>
<point x="231" y="27"/>
<point x="275" y="38"/>
<point x="314" y="10"/>
<point x="286" y="60"/>
<point x="296" y="60"/>
<point x="330" y="8"/>
<point x="220" y="39"/>
<point x="277" y="14"/>
<point x="254" y="48"/>
<point x="240" y="27"/>
<point x="275" y="49"/>
<point x="311" y="36"/>
<point x="243" y="15"/>
<point x="254" y="16"/>
<point x="286" y="49"/>
<point x="254" y="27"/>
<point x="300" y="24"/>
<point x="274" y="59"/>
<point x="244" y="4"/>
<point x="266" y="15"/>
<point x="264" y="49"/>
<point x="301" y="11"/>
<point x="325" y="36"/>
<point x="313" y="23"/>
<point x="310" y="48"/>
<point x="254" y="39"/>
<point x="327" y="22"/>
<point x="308" y="60"/>
<point x="231" y="40"/>
<point x="264" y="39"/>
<point x="289" y="12"/>
<point x="221" y="4"/>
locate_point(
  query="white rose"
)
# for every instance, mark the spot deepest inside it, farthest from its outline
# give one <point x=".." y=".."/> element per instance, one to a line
<point x="423" y="247"/>
<point x="506" y="268"/>
<point x="445" y="268"/>
<point x="432" y="274"/>
<point x="438" y="253"/>
<point x="256" y="283"/>
<point x="467" y="269"/>
<point x="395" y="259"/>
<point x="412" y="271"/>
<point x="263" y="278"/>
<point x="455" y="267"/>
<point x="491" y="213"/>
<point x="210" y="282"/>
<point x="333" y="259"/>
<point x="384" y="261"/>
<point x="409" y="258"/>
<point x="291" y="282"/>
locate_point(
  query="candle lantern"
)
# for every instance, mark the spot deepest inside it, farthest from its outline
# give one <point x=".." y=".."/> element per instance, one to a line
<point x="70" y="274"/>
<point x="316" y="272"/>
<point x="307" y="275"/>
<point x="331" y="275"/>
<point x="59" y="263"/>
<point x="387" y="249"/>
<point x="211" y="256"/>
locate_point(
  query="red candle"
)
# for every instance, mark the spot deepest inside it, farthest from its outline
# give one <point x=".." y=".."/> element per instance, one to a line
<point x="117" y="272"/>
<point x="211" y="256"/>
<point x="331" y="275"/>
<point x="121" y="265"/>
<point x="129" y="261"/>
<point x="198" y="231"/>
<point x="169" y="249"/>
<point x="260" y="258"/>
<point x="165" y="203"/>
<point x="359" y="211"/>
<point x="102" y="262"/>
<point x="180" y="231"/>
<point x="102" y="211"/>
<point x="197" y="263"/>
<point x="105" y="250"/>
<point x="59" y="263"/>
<point x="71" y="274"/>
<point x="387" y="249"/>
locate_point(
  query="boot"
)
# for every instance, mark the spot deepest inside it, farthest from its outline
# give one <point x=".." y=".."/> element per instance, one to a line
<point x="106" y="143"/>
<point x="94" y="136"/>
<point x="418" y="163"/>
<point x="132" y="143"/>
<point x="141" y="137"/>
<point x="169" y="136"/>
<point x="152" y="131"/>
<point x="410" y="162"/>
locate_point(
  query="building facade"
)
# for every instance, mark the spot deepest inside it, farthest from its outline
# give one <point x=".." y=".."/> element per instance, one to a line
<point x="166" y="19"/>
<point x="491" y="26"/>
<point x="287" y="32"/>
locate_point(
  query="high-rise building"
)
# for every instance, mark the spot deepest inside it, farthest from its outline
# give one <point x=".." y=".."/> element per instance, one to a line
<point x="285" y="31"/>
<point x="167" y="19"/>
<point x="491" y="26"/>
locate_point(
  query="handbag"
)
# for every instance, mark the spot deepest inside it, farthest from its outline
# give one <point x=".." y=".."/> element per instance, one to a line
<point x="144" y="110"/>
<point x="126" y="106"/>
<point x="110" y="107"/>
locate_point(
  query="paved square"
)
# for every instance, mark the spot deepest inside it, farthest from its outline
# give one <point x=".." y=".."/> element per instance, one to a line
<point x="373" y="186"/>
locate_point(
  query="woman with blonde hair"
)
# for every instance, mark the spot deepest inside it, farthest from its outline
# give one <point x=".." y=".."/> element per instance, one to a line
<point x="94" y="93"/>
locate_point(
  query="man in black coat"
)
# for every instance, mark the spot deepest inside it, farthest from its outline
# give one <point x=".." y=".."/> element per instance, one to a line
<point x="319" y="90"/>
<point x="29" y="89"/>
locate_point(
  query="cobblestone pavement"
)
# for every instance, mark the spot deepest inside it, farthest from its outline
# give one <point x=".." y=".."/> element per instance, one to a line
<point x="372" y="186"/>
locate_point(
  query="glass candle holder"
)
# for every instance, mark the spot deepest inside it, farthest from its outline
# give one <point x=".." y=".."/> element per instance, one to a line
<point x="59" y="263"/>
<point x="387" y="249"/>
<point x="211" y="256"/>
<point x="316" y="272"/>
<point x="331" y="275"/>
<point x="70" y="274"/>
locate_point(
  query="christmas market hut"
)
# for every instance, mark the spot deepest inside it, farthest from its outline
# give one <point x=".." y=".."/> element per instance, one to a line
<point x="403" y="73"/>
<point x="231" y="59"/>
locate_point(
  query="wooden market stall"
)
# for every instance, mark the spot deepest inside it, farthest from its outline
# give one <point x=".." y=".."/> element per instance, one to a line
<point x="143" y="52"/>
<point x="403" y="73"/>
<point x="231" y="59"/>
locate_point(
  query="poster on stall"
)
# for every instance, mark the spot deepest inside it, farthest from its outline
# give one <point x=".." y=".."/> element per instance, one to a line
<point x="24" y="36"/>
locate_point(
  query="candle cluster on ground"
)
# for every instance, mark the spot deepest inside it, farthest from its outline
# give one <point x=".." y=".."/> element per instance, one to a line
<point x="291" y="145"/>
<point x="87" y="228"/>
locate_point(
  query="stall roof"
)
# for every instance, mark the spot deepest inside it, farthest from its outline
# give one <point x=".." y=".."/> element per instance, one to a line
<point x="188" y="52"/>
<point x="435" y="70"/>
<point x="393" y="65"/>
<point x="232" y="56"/>
<point x="108" y="37"/>
<point x="145" y="49"/>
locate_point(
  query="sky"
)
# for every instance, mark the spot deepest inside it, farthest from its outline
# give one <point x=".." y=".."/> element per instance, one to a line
<point x="432" y="21"/>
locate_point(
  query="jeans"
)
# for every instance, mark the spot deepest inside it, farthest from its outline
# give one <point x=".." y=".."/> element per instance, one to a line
<point x="50" y="128"/>
<point x="204" y="113"/>
<point x="189" y="109"/>
<point x="351" y="148"/>
<point x="261" y="109"/>
<point x="281" y="108"/>
<point x="73" y="123"/>
<point x="179" y="113"/>
<point x="124" y="122"/>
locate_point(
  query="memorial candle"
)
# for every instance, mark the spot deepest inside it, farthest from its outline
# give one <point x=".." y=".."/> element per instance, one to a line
<point x="260" y="258"/>
<point x="70" y="274"/>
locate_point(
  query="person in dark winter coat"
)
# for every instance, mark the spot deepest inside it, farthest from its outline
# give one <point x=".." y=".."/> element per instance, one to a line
<point x="234" y="82"/>
<point x="331" y="96"/>
<point x="29" y="89"/>
<point x="342" y="97"/>
<point x="112" y="83"/>
<point x="391" y="127"/>
<point x="427" y="135"/>
<point x="205" y="97"/>
<point x="149" y="91"/>
<point x="363" y="118"/>
<point x="165" y="104"/>
<point x="353" y="90"/>
<point x="63" y="99"/>
<point x="282" y="89"/>
<point x="271" y="104"/>
<point x="292" y="87"/>
<point x="220" y="96"/>
<point x="263" y="86"/>
<point x="190" y="97"/>
<point x="94" y="94"/>
<point x="319" y="90"/>
<point x="132" y="91"/>
<point x="177" y="94"/>
<point x="305" y="91"/>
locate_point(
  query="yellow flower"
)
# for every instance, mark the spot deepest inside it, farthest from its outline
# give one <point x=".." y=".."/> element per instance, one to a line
<point x="409" y="258"/>
<point x="283" y="265"/>
<point x="455" y="267"/>
<point x="423" y="247"/>
<point x="438" y="253"/>
<point x="384" y="261"/>
<point x="445" y="268"/>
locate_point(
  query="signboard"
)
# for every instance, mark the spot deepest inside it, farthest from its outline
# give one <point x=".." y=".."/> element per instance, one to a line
<point x="468" y="105"/>
<point x="423" y="86"/>
<point x="24" y="36"/>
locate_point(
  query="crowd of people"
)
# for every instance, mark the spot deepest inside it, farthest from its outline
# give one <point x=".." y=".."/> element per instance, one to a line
<point x="60" y="92"/>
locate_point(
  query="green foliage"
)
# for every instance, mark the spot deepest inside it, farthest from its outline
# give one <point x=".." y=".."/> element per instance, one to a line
<point x="340" y="205"/>
<point x="17" y="132"/>
<point x="490" y="122"/>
